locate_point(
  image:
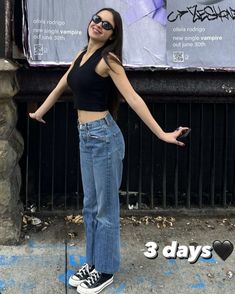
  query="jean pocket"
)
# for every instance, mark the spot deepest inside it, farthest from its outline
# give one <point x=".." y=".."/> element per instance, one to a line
<point x="98" y="134"/>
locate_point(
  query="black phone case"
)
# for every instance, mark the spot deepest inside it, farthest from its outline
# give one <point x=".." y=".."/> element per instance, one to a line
<point x="183" y="136"/>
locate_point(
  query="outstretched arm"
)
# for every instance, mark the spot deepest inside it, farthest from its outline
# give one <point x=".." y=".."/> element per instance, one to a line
<point x="118" y="75"/>
<point x="53" y="96"/>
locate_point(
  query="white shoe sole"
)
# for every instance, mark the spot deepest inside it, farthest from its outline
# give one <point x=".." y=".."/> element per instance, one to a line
<point x="82" y="290"/>
<point x="74" y="283"/>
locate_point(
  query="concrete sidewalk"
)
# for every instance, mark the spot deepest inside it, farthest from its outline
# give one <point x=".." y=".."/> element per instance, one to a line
<point x="44" y="261"/>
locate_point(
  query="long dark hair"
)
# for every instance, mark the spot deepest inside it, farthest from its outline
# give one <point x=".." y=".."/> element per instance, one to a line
<point x="115" y="46"/>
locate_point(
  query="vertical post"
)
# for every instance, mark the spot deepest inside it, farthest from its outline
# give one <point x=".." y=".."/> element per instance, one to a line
<point x="11" y="147"/>
<point x="8" y="28"/>
<point x="2" y="29"/>
<point x="5" y="29"/>
<point x="11" y="143"/>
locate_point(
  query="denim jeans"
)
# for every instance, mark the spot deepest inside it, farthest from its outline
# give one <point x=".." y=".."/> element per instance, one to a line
<point x="102" y="150"/>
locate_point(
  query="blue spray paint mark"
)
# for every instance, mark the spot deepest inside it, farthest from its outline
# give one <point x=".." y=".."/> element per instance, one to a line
<point x="61" y="277"/>
<point x="7" y="260"/>
<point x="172" y="261"/>
<point x="72" y="259"/>
<point x="200" y="283"/>
<point x="172" y="265"/>
<point x="207" y="260"/>
<point x="2" y="285"/>
<point x="169" y="273"/>
<point x="142" y="279"/>
<point x="27" y="287"/>
<point x="82" y="259"/>
<point x="40" y="260"/>
<point x="119" y="289"/>
<point x="33" y="244"/>
<point x="72" y="262"/>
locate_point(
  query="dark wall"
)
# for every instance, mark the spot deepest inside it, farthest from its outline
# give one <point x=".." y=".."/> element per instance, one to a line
<point x="2" y="29"/>
<point x="18" y="24"/>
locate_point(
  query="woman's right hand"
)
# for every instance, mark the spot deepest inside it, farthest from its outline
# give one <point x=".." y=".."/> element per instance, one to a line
<point x="36" y="116"/>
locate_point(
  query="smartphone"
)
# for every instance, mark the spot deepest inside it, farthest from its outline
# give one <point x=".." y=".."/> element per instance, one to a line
<point x="184" y="134"/>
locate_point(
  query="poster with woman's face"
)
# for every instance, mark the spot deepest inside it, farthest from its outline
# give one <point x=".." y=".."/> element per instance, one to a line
<point x="51" y="25"/>
<point x="157" y="33"/>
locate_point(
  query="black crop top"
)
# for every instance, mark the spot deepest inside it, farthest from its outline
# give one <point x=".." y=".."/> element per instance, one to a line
<point x="91" y="90"/>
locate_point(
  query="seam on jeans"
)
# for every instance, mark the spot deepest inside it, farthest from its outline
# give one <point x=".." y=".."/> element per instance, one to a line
<point x="108" y="171"/>
<point x="120" y="145"/>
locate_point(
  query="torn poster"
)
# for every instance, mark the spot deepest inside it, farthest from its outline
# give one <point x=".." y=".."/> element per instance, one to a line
<point x="54" y="31"/>
<point x="201" y="33"/>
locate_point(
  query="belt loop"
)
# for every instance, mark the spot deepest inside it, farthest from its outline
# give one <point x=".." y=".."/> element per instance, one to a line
<point x="106" y="119"/>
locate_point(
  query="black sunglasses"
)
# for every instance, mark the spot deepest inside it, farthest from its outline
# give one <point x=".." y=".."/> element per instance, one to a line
<point x="105" y="24"/>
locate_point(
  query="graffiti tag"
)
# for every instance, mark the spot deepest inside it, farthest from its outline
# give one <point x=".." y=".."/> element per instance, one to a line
<point x="209" y="13"/>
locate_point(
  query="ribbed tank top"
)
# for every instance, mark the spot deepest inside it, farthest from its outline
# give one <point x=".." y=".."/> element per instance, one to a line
<point x="91" y="90"/>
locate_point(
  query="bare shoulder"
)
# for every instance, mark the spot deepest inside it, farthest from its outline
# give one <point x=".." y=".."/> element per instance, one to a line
<point x="115" y="64"/>
<point x="113" y="57"/>
<point x="78" y="54"/>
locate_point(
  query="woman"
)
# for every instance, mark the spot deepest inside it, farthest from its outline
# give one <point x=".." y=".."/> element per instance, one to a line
<point x="93" y="77"/>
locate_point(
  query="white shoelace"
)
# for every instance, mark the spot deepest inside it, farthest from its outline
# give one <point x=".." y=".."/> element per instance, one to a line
<point x="93" y="278"/>
<point x="84" y="270"/>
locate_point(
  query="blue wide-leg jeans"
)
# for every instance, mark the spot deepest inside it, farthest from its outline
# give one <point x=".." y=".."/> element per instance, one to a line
<point x="102" y="150"/>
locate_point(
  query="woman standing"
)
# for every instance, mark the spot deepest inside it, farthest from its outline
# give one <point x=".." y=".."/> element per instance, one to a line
<point x="93" y="77"/>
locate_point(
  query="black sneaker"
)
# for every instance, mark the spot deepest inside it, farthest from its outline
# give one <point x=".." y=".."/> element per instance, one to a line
<point x="82" y="274"/>
<point x="95" y="283"/>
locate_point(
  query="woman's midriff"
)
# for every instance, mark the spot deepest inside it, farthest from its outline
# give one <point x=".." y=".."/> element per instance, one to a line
<point x="87" y="116"/>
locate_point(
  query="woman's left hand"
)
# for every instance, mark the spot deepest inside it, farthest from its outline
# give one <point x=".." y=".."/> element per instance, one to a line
<point x="171" y="137"/>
